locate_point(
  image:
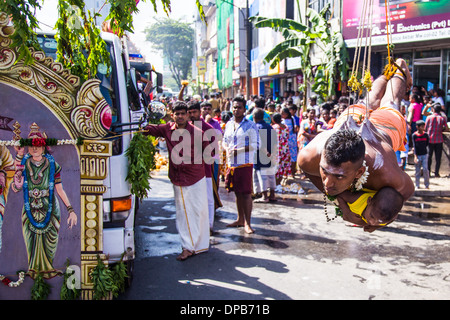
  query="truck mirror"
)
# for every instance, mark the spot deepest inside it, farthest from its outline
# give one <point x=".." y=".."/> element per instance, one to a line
<point x="133" y="94"/>
<point x="159" y="82"/>
<point x="157" y="110"/>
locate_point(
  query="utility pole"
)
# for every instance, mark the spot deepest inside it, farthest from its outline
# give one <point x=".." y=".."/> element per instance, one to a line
<point x="247" y="53"/>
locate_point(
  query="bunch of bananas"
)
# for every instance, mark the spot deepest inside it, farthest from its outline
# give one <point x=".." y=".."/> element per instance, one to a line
<point x="160" y="161"/>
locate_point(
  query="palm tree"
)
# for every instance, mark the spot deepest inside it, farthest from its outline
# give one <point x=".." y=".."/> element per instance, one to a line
<point x="300" y="39"/>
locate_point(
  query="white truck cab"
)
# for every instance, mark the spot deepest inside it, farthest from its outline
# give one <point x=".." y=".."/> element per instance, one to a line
<point x="119" y="89"/>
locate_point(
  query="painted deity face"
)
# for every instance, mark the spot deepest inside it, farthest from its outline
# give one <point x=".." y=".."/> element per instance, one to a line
<point x="36" y="152"/>
<point x="37" y="149"/>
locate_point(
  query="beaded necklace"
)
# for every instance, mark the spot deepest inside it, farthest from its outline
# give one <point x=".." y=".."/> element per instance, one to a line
<point x="356" y="186"/>
<point x="44" y="223"/>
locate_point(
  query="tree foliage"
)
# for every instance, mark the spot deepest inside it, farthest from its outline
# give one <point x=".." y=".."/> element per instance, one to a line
<point x="25" y="23"/>
<point x="79" y="46"/>
<point x="300" y="39"/>
<point x="176" y="41"/>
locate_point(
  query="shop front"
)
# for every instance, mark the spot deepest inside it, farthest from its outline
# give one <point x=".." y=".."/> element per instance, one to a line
<point x="419" y="32"/>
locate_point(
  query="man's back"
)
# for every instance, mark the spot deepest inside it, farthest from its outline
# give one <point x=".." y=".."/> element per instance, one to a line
<point x="434" y="126"/>
<point x="215" y="103"/>
<point x="268" y="143"/>
<point x="380" y="159"/>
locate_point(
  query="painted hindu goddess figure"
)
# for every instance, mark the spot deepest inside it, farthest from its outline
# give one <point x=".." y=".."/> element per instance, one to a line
<point x="38" y="175"/>
<point x="6" y="162"/>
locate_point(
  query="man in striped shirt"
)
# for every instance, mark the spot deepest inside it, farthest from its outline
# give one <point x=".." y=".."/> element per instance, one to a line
<point x="434" y="126"/>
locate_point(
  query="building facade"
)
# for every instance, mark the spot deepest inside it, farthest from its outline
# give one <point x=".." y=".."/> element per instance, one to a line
<point x="419" y="31"/>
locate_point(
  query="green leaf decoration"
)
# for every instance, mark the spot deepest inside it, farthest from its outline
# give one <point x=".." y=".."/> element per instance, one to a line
<point x="40" y="289"/>
<point x="300" y="39"/>
<point x="119" y="275"/>
<point x="141" y="161"/>
<point x="66" y="292"/>
<point x="103" y="281"/>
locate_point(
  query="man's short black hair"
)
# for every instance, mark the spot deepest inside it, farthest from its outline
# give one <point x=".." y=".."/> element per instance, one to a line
<point x="277" y="118"/>
<point x="193" y="105"/>
<point x="260" y="103"/>
<point x="206" y="104"/>
<point x="180" y="105"/>
<point x="240" y="99"/>
<point x="343" y="146"/>
<point x="258" y="114"/>
<point x="437" y="107"/>
<point x="292" y="107"/>
<point x="226" y="115"/>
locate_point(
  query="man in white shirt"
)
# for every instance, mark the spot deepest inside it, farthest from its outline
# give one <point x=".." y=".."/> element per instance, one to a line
<point x="240" y="141"/>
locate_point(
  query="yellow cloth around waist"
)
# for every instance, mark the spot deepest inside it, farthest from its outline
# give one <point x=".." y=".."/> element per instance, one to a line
<point x="360" y="204"/>
<point x="386" y="119"/>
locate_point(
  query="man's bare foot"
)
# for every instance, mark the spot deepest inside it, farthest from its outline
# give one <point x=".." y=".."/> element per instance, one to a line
<point x="235" y="224"/>
<point x="248" y="229"/>
<point x="402" y="64"/>
<point x="184" y="255"/>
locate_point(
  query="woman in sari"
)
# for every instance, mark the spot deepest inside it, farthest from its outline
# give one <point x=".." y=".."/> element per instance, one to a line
<point x="289" y="122"/>
<point x="6" y="165"/>
<point x="308" y="129"/>
<point x="284" y="156"/>
<point x="39" y="176"/>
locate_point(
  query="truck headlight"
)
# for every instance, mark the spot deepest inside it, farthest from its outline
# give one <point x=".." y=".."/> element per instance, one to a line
<point x="117" y="209"/>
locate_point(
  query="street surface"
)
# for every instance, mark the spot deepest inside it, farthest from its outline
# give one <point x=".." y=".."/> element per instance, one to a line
<point x="294" y="254"/>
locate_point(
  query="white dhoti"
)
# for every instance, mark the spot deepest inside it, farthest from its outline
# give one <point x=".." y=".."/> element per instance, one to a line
<point x="264" y="179"/>
<point x="192" y="216"/>
<point x="211" y="206"/>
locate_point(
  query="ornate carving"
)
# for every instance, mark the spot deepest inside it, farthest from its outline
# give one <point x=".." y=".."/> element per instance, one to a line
<point x="94" y="157"/>
<point x="91" y="241"/>
<point x="80" y="109"/>
<point x="91" y="105"/>
<point x="88" y="263"/>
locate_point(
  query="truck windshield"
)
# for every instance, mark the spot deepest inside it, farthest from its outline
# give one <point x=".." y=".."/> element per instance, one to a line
<point x="108" y="82"/>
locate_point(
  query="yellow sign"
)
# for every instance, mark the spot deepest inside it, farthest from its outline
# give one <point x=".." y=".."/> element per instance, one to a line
<point x="201" y="65"/>
<point x="275" y="70"/>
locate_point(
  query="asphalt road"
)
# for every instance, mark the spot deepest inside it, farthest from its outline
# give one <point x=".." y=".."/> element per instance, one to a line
<point x="295" y="254"/>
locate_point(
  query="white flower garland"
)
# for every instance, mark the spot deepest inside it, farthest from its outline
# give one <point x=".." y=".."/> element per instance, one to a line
<point x="15" y="284"/>
<point x="66" y="141"/>
<point x="13" y="143"/>
<point x="363" y="179"/>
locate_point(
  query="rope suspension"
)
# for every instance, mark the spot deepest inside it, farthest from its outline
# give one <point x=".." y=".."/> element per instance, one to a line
<point x="358" y="86"/>
<point x="364" y="83"/>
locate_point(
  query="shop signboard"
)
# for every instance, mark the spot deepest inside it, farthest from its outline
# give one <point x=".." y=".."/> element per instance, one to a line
<point x="268" y="38"/>
<point x="201" y="65"/>
<point x="411" y="21"/>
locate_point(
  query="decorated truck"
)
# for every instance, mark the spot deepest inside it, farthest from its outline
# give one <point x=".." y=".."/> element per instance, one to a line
<point x="67" y="212"/>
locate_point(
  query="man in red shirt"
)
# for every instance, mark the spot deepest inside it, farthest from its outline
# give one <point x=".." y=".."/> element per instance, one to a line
<point x="434" y="126"/>
<point x="187" y="174"/>
<point x="211" y="135"/>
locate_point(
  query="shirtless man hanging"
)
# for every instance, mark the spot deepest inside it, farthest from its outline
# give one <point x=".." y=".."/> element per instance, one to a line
<point x="337" y="162"/>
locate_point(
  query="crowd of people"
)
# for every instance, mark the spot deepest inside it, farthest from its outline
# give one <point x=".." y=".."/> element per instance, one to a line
<point x="426" y="118"/>
<point x="254" y="151"/>
<point x="294" y="127"/>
